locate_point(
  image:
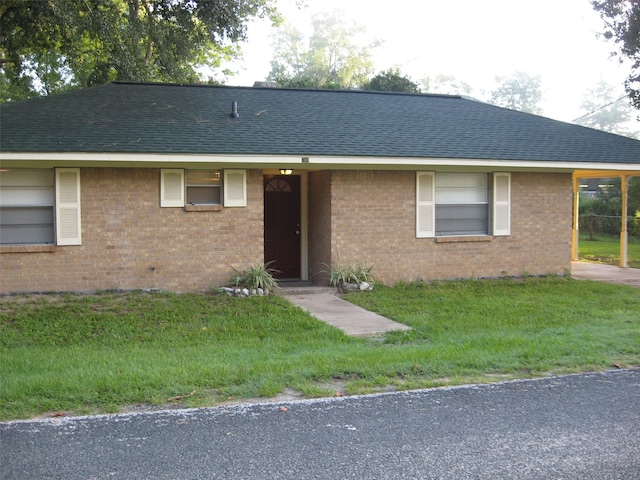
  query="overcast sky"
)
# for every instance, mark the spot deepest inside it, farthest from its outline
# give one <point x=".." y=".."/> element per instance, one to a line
<point x="473" y="40"/>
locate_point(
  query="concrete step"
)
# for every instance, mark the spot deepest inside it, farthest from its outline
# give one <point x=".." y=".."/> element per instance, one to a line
<point x="302" y="288"/>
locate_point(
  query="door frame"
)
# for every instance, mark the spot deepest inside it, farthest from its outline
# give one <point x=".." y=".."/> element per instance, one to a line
<point x="304" y="219"/>
<point x="304" y="228"/>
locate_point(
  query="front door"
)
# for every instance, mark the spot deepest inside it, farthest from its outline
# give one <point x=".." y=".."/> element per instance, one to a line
<point x="282" y="224"/>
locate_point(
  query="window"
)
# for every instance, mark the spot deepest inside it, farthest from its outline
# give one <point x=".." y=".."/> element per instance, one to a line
<point x="459" y="204"/>
<point x="203" y="187"/>
<point x="462" y="204"/>
<point x="26" y="207"/>
<point x="40" y="206"/>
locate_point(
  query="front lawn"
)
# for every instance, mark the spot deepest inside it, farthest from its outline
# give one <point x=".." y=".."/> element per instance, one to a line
<point x="105" y="352"/>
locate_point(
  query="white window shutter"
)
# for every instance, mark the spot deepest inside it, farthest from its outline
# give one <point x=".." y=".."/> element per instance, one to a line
<point x="425" y="204"/>
<point x="501" y="204"/>
<point x="68" y="231"/>
<point x="172" y="187"/>
<point x="235" y="188"/>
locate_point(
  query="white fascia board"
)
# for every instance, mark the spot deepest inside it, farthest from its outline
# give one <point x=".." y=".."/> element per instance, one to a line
<point x="466" y="162"/>
<point x="72" y="159"/>
<point x="140" y="159"/>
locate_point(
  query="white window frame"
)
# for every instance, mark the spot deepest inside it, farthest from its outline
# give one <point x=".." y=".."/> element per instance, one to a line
<point x="499" y="208"/>
<point x="210" y="186"/>
<point x="22" y="191"/>
<point x="466" y="194"/>
<point x="173" y="188"/>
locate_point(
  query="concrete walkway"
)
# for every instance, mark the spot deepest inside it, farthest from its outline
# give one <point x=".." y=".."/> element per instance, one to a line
<point x="605" y="273"/>
<point x="324" y="304"/>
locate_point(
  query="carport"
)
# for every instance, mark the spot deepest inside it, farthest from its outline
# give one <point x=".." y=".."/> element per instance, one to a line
<point x="624" y="177"/>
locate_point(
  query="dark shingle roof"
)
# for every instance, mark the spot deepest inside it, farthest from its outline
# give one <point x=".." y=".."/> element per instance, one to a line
<point x="160" y="118"/>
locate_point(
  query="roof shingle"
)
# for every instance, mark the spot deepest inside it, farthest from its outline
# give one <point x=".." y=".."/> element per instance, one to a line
<point x="194" y="119"/>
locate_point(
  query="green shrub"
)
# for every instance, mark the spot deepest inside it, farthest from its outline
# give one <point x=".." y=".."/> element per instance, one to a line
<point x="353" y="273"/>
<point x="634" y="226"/>
<point x="252" y="278"/>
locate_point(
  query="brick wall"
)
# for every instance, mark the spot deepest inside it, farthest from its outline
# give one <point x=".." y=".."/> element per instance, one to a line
<point x="373" y="221"/>
<point x="354" y="216"/>
<point x="129" y="242"/>
<point x="319" y="191"/>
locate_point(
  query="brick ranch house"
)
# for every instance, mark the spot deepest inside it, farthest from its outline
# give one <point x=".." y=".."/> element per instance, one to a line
<point x="135" y="186"/>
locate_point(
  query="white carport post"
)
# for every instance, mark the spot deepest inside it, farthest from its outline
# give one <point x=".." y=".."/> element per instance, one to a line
<point x="624" y="179"/>
<point x="576" y="227"/>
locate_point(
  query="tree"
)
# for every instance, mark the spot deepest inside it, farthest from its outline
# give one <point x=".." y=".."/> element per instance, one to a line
<point x="446" y="85"/>
<point x="329" y="58"/>
<point x="520" y="91"/>
<point x="52" y="45"/>
<point x="622" y="25"/>
<point x="392" y="81"/>
<point x="606" y="109"/>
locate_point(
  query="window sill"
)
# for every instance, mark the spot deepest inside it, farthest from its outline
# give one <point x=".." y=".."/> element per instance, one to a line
<point x="203" y="208"/>
<point x="27" y="248"/>
<point x="470" y="238"/>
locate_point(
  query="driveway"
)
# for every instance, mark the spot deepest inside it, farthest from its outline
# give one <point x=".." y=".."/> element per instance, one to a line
<point x="605" y="273"/>
<point x="570" y="427"/>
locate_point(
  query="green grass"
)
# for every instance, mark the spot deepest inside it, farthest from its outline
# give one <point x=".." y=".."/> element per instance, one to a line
<point x="606" y="249"/>
<point x="102" y="353"/>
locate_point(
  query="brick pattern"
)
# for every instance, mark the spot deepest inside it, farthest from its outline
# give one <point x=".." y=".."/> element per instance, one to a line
<point x="373" y="221"/>
<point x="129" y="242"/>
<point x="319" y="191"/>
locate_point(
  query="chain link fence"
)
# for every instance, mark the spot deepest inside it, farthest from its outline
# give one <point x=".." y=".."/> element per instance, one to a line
<point x="592" y="225"/>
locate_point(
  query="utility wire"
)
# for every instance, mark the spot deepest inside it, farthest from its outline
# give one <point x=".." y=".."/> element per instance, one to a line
<point x="598" y="109"/>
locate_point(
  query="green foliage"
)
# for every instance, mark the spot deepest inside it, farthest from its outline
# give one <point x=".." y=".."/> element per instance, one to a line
<point x="602" y="214"/>
<point x="622" y="25"/>
<point x="520" y="91"/>
<point x="392" y="81"/>
<point x="259" y="276"/>
<point x="49" y="46"/>
<point x="96" y="353"/>
<point x="354" y="273"/>
<point x="329" y="58"/>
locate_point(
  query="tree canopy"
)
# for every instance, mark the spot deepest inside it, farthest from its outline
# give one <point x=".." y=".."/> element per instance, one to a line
<point x="329" y="58"/>
<point x="519" y="91"/>
<point x="392" y="81"/>
<point x="622" y="25"/>
<point x="607" y="109"/>
<point x="445" y="84"/>
<point x="52" y="45"/>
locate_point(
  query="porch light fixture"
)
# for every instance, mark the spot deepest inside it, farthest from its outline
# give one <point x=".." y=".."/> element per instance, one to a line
<point x="286" y="171"/>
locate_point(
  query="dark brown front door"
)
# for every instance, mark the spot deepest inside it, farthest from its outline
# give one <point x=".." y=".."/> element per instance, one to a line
<point x="282" y="224"/>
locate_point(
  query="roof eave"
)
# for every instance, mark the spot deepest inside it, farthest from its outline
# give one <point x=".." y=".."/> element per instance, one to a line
<point x="302" y="162"/>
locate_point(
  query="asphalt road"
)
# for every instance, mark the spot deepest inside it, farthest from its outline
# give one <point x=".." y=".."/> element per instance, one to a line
<point x="569" y="427"/>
